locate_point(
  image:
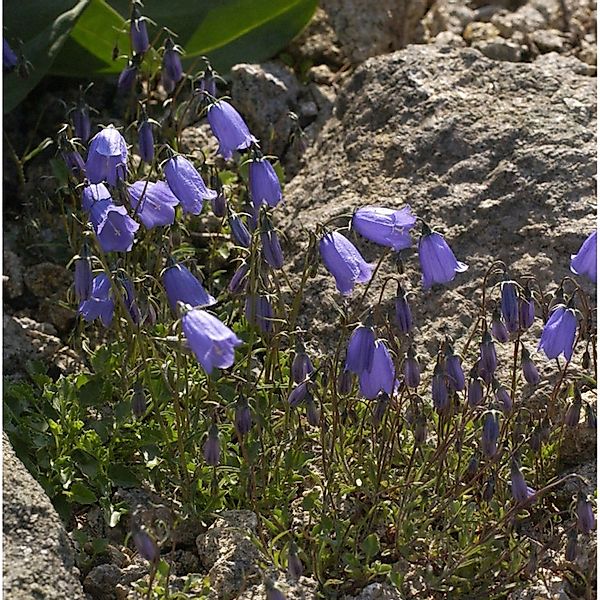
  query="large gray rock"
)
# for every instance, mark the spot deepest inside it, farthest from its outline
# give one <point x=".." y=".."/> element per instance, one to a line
<point x="499" y="157"/>
<point x="38" y="561"/>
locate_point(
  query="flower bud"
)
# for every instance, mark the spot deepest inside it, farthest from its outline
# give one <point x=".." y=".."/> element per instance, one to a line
<point x="586" y="521"/>
<point x="530" y="372"/>
<point x="145" y="545"/>
<point x="239" y="231"/>
<point x="172" y="71"/>
<point x="472" y="467"/>
<point x="518" y="487"/>
<point x="345" y="382"/>
<point x="313" y="415"/>
<point x="273" y="593"/>
<point x="146" y="141"/>
<point x="81" y="122"/>
<point x="475" y="391"/>
<point x="301" y="365"/>
<point x="420" y="431"/>
<point x="526" y="309"/>
<point x="212" y="447"/>
<point x="259" y="312"/>
<point x="243" y="417"/>
<point x="295" y="568"/>
<point x="489" y="489"/>
<point x="361" y="350"/>
<point x="411" y="369"/>
<point x="128" y="77"/>
<point x="404" y="319"/>
<point x="219" y="205"/>
<point x="239" y="279"/>
<point x="489" y="436"/>
<point x="498" y="328"/>
<point x="379" y="411"/>
<point x="138" y="31"/>
<point x="439" y="390"/>
<point x="573" y="414"/>
<point x="590" y="417"/>
<point x="138" y="401"/>
<point x="503" y="397"/>
<point x="487" y="358"/>
<point x="509" y="306"/>
<point x="571" y="547"/>
<point x="298" y="394"/>
<point x="83" y="277"/>
<point x="271" y="248"/>
<point x="455" y="375"/>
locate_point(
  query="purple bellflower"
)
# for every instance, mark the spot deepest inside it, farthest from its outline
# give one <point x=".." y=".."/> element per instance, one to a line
<point x="344" y="262"/>
<point x="138" y="31"/>
<point x="211" y="341"/>
<point x="498" y="328"/>
<point x="93" y="193"/>
<point x="455" y="375"/>
<point x="182" y="286"/>
<point x="9" y="58"/>
<point x="187" y="184"/>
<point x="526" y="309"/>
<point x="107" y="157"/>
<point x="302" y="366"/>
<point x="81" y="121"/>
<point x="146" y="546"/>
<point x="264" y="183"/>
<point x="509" y="305"/>
<point x="586" y="521"/>
<point x="530" y="372"/>
<point x="573" y="414"/>
<point x="146" y="141"/>
<point x="212" y="447"/>
<point x="299" y="393"/>
<point x="219" y="205"/>
<point x="439" y="389"/>
<point x="74" y="162"/>
<point x="229" y="128"/>
<point x="585" y="261"/>
<point x="130" y="302"/>
<point x="172" y="71"/>
<point x="361" y="349"/>
<point x="487" y="358"/>
<point x="345" y="382"/>
<point x="239" y="231"/>
<point x="243" y="417"/>
<point x="114" y="228"/>
<point x="411" y="369"/>
<point x="438" y="263"/>
<point x="489" y="435"/>
<point x="475" y="390"/>
<point x="404" y="319"/>
<point x="239" y="280"/>
<point x="154" y="203"/>
<point x="259" y="312"/>
<point x="385" y="226"/>
<point x="100" y="303"/>
<point x="295" y="568"/>
<point x="271" y="248"/>
<point x="128" y="77"/>
<point x="381" y="377"/>
<point x="83" y="276"/>
<point x="503" y="397"/>
<point x="558" y="335"/>
<point x="521" y="492"/>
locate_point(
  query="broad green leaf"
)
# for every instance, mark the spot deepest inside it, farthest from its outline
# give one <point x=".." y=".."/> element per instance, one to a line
<point x="82" y="494"/>
<point x="43" y="27"/>
<point x="227" y="31"/>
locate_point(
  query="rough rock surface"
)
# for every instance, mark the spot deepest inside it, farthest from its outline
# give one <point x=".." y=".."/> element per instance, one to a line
<point x="498" y="157"/>
<point x="38" y="560"/>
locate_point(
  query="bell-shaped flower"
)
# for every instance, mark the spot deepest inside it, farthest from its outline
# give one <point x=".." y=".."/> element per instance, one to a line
<point x="509" y="305"/>
<point x="503" y="397"/>
<point x="361" y="349"/>
<point x="107" y="157"/>
<point x="83" y="277"/>
<point x="488" y="360"/>
<point x="438" y="263"/>
<point x="181" y="286"/>
<point x="385" y="226"/>
<point x="530" y="372"/>
<point x="498" y="328"/>
<point x="239" y="280"/>
<point x="344" y="262"/>
<point x="74" y="162"/>
<point x="558" y="335"/>
<point x="100" y="303"/>
<point x="172" y="71"/>
<point x="489" y="435"/>
<point x="299" y="393"/>
<point x="211" y="341"/>
<point x="243" y="417"/>
<point x="259" y="312"/>
<point x="9" y="58"/>
<point x="403" y="314"/>
<point x="130" y="301"/>
<point x="115" y="229"/>
<point x="187" y="184"/>
<point x="585" y="262"/>
<point x="239" y="231"/>
<point x="381" y="376"/>
<point x="411" y="369"/>
<point x="439" y="389"/>
<point x="138" y="32"/>
<point x="93" y="193"/>
<point x="474" y="391"/>
<point x="212" y="447"/>
<point x="219" y="205"/>
<point x="521" y="492"/>
<point x="455" y="376"/>
<point x="154" y="203"/>
<point x="127" y="77"/>
<point x="271" y="248"/>
<point x="229" y="128"/>
<point x="586" y="521"/>
<point x="302" y="366"/>
<point x="264" y="183"/>
<point x="146" y="141"/>
<point x="526" y="309"/>
<point x="81" y="122"/>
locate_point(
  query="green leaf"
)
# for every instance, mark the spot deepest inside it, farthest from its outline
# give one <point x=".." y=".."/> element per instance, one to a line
<point x="43" y="27"/>
<point x="82" y="494"/>
<point x="370" y="545"/>
<point x="227" y="31"/>
<point x="120" y="475"/>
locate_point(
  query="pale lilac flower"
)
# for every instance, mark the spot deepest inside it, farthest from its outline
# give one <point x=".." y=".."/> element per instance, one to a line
<point x="438" y="263"/>
<point x="100" y="303"/>
<point x="558" y="335"/>
<point x="107" y="157"/>
<point x="264" y="183"/>
<point x="229" y="128"/>
<point x="385" y="226"/>
<point x="154" y="203"/>
<point x="381" y="377"/>
<point x="187" y="184"/>
<point x="181" y="286"/>
<point x="585" y="262"/>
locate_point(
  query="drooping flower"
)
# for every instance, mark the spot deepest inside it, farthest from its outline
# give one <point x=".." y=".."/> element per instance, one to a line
<point x="212" y="447"/>
<point x="573" y="414"/>
<point x="146" y="141"/>
<point x="264" y="183"/>
<point x="243" y="417"/>
<point x="128" y="77"/>
<point x="129" y="300"/>
<point x="114" y="228"/>
<point x="181" y="286"/>
<point x="503" y="397"/>
<point x="100" y="303"/>
<point x="271" y="248"/>
<point x="107" y="157"/>
<point x="229" y="128"/>
<point x="498" y="328"/>
<point x="219" y="205"/>
<point x="385" y="226"/>
<point x="344" y="262"/>
<point x="83" y="277"/>
<point x="299" y="393"/>
<point x="74" y="162"/>
<point x="411" y="369"/>
<point x="383" y="401"/>
<point x="313" y="414"/>
<point x="211" y="341"/>
<point x="438" y="263"/>
<point x="558" y="335"/>
<point x="530" y="372"/>
<point x="345" y="382"/>
<point x="381" y="376"/>
<point x="586" y="521"/>
<point x="404" y="319"/>
<point x="172" y="71"/>
<point x="474" y="391"/>
<point x="187" y="184"/>
<point x="439" y="389"/>
<point x="239" y="231"/>
<point x="138" y="31"/>
<point x="585" y="261"/>
<point x="455" y="375"/>
<point x="302" y="366"/>
<point x="239" y="279"/>
<point x="509" y="305"/>
<point x="9" y="58"/>
<point x="138" y="402"/>
<point x="295" y="568"/>
<point x="93" y="193"/>
<point x="361" y="349"/>
<point x="521" y="492"/>
<point x="526" y="309"/>
<point x="154" y="203"/>
<point x="145" y="545"/>
<point x="489" y="435"/>
<point x="487" y="358"/>
<point x="259" y="312"/>
<point x="81" y="122"/>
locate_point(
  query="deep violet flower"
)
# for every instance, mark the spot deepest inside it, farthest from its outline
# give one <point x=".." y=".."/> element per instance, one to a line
<point x="181" y="286"/>
<point x="271" y="247"/>
<point x="411" y="369"/>
<point x="521" y="492"/>
<point x="504" y="398"/>
<point x="385" y="226"/>
<point x="489" y="435"/>
<point x="138" y="32"/>
<point x="345" y="382"/>
<point x="498" y="328"/>
<point x="154" y="203"/>
<point x="344" y="262"/>
<point x="439" y="389"/>
<point x="438" y="263"/>
<point x="298" y="394"/>
<point x="586" y="521"/>
<point x="145" y="545"/>
<point x="211" y="341"/>
<point x="9" y="58"/>
<point x="558" y="335"/>
<point x="585" y="261"/>
<point x="302" y="366"/>
<point x="187" y="184"/>
<point x="239" y="279"/>
<point x="526" y="309"/>
<point x="295" y="568"/>
<point x="83" y="276"/>
<point x="474" y="391"/>
<point x="74" y="162"/>
<point x="100" y="303"/>
<point x="146" y="141"/>
<point x="239" y="231"/>
<point x="243" y="417"/>
<point x="114" y="228"/>
<point x="455" y="375"/>
<point x="487" y="358"/>
<point x="219" y="205"/>
<point x="573" y="414"/>
<point x="128" y="77"/>
<point x="212" y="447"/>
<point x="172" y="71"/>
<point x="129" y="300"/>
<point x="509" y="305"/>
<point x="361" y="349"/>
<point x="81" y="122"/>
<point x="259" y="312"/>
<point x="107" y="157"/>
<point x="264" y="183"/>
<point x="229" y="128"/>
<point x="530" y="372"/>
<point x="404" y="319"/>
<point x="381" y="377"/>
